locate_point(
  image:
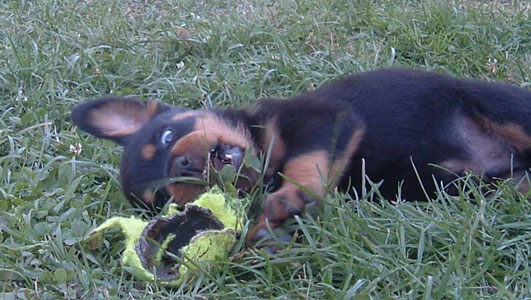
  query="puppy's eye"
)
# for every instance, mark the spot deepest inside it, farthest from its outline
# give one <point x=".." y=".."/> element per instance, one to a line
<point x="166" y="137"/>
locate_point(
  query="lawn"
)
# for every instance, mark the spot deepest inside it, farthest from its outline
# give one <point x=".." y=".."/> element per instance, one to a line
<point x="57" y="183"/>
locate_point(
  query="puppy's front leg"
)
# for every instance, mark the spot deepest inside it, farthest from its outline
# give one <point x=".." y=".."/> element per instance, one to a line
<point x="312" y="142"/>
<point x="310" y="171"/>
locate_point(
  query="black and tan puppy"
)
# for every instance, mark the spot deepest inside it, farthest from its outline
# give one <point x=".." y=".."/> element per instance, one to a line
<point x="393" y="119"/>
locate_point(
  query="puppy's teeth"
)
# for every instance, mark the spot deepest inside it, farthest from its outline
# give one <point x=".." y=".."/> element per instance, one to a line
<point x="227" y="158"/>
<point x="205" y="174"/>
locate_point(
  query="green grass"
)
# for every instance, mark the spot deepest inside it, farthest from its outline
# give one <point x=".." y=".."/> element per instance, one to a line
<point x="56" y="54"/>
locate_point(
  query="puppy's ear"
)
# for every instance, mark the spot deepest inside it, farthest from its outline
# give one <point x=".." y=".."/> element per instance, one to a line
<point x="114" y="118"/>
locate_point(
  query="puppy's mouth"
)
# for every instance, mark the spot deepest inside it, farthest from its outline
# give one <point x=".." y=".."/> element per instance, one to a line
<point x="223" y="155"/>
<point x="190" y="173"/>
<point x="201" y="166"/>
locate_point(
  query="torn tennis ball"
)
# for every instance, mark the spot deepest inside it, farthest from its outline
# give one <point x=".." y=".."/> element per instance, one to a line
<point x="168" y="247"/>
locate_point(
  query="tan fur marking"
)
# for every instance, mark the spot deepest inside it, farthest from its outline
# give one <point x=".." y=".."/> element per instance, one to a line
<point x="152" y="107"/>
<point x="187" y="114"/>
<point x="148" y="151"/>
<point x="119" y="118"/>
<point x="458" y="166"/>
<point x="308" y="171"/>
<point x="148" y="197"/>
<point x="192" y="143"/>
<point x="278" y="150"/>
<point x="512" y="133"/>
<point x="281" y="202"/>
<point x="183" y="193"/>
<point x="214" y="128"/>
<point x="342" y="161"/>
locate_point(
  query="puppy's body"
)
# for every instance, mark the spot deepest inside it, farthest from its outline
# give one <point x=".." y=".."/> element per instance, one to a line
<point x="392" y="119"/>
<point x="427" y="118"/>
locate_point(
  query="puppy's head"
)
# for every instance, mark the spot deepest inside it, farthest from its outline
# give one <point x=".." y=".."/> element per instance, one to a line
<point x="169" y="152"/>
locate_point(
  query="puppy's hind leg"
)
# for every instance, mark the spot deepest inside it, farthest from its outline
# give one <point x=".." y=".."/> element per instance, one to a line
<point x="502" y="113"/>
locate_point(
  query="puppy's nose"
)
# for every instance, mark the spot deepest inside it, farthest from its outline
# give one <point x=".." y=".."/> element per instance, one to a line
<point x="185" y="166"/>
<point x="184" y="163"/>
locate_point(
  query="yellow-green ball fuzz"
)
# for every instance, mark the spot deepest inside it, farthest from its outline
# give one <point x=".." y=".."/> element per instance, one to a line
<point x="208" y="246"/>
<point x="168" y="247"/>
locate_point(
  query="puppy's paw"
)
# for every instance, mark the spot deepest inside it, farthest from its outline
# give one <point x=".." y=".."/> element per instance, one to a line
<point x="278" y="207"/>
<point x="271" y="241"/>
